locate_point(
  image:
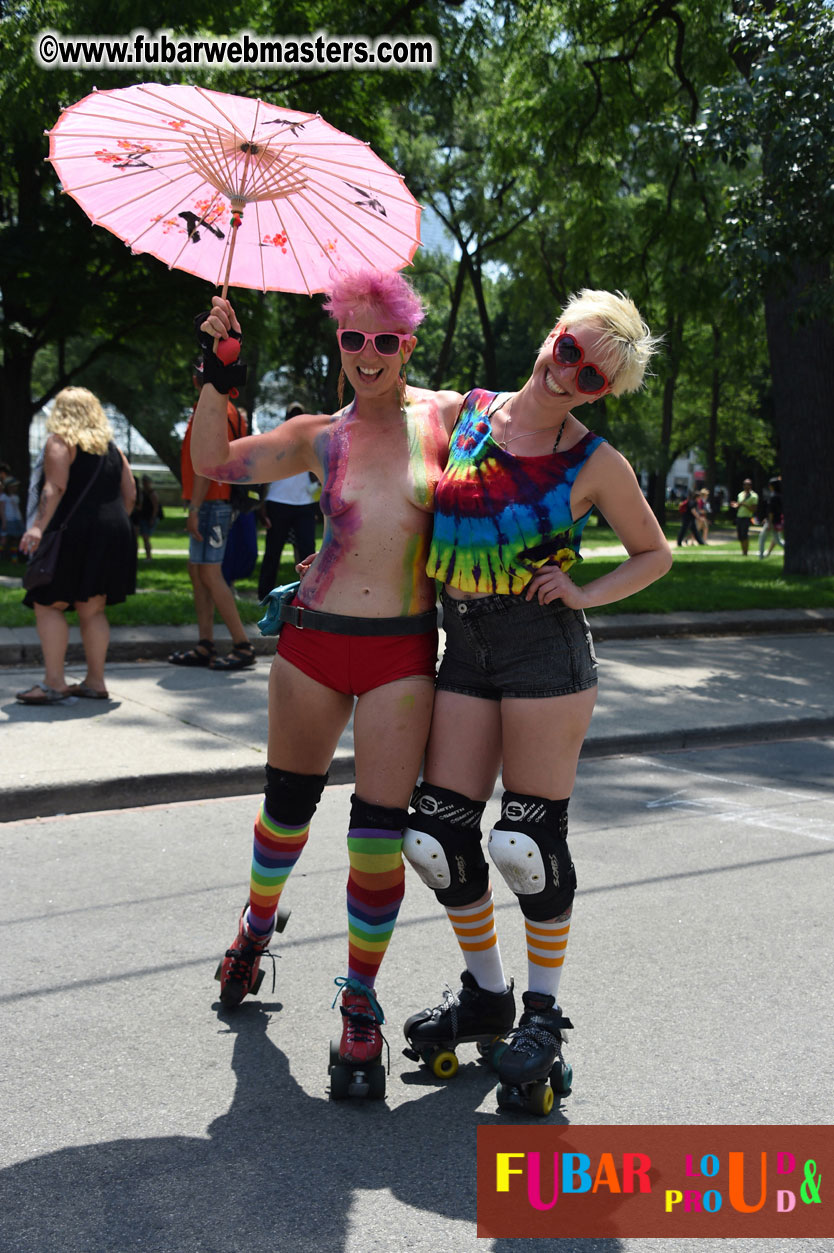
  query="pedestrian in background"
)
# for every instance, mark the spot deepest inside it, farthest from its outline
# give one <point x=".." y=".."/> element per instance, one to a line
<point x="688" y="510"/>
<point x="208" y="523"/>
<point x="88" y="487"/>
<point x="703" y="513"/>
<point x="774" y="522"/>
<point x="745" y="508"/>
<point x="11" y="519"/>
<point x="289" y="510"/>
<point x="149" y="511"/>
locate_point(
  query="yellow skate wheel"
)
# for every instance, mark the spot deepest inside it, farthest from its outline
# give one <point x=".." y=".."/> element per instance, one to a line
<point x="540" y="1099"/>
<point x="444" y="1065"/>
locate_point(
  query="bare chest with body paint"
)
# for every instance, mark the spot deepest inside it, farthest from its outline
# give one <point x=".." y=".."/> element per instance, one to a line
<point x="377" y="498"/>
<point x="383" y="466"/>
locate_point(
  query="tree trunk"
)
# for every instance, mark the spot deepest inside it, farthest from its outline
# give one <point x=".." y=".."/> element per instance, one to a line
<point x="439" y="376"/>
<point x="657" y="500"/>
<point x="712" y="429"/>
<point x="16" y="413"/>
<point x="488" y="346"/>
<point x="801" y="348"/>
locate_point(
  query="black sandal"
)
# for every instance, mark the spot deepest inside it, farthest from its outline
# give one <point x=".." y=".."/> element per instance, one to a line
<point x="201" y="654"/>
<point x="241" y="657"/>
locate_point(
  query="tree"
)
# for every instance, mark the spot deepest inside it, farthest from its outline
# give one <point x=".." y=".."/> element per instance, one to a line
<point x="73" y="297"/>
<point x="774" y="127"/>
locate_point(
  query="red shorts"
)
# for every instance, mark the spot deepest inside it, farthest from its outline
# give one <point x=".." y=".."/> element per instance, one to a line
<point x="355" y="664"/>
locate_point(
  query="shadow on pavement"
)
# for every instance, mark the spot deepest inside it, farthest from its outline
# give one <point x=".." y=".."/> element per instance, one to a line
<point x="277" y="1172"/>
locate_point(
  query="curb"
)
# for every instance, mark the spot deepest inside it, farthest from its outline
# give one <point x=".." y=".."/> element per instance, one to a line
<point x="52" y="799"/>
<point x="711" y="737"/>
<point x="164" y="789"/>
<point x="21" y="647"/>
<point x="126" y="644"/>
<point x="687" y="625"/>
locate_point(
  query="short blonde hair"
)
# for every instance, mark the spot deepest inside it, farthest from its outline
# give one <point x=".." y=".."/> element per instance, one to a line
<point x="630" y="345"/>
<point x="78" y="418"/>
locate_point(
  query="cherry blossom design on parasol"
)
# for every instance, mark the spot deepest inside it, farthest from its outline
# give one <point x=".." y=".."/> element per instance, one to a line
<point x="232" y="189"/>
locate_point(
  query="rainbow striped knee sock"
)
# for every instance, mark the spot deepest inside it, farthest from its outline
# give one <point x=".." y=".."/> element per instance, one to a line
<point x="375" y="887"/>
<point x="276" y="850"/>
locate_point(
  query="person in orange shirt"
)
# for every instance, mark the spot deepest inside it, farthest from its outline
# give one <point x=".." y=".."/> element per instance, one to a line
<point x="209" y="519"/>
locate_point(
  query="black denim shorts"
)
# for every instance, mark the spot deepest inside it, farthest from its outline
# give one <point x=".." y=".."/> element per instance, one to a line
<point x="507" y="646"/>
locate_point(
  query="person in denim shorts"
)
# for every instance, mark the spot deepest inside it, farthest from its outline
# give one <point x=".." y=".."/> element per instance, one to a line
<point x="517" y="684"/>
<point x="208" y="522"/>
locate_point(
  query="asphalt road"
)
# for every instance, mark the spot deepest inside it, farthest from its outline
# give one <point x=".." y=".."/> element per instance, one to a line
<point x="138" y="1117"/>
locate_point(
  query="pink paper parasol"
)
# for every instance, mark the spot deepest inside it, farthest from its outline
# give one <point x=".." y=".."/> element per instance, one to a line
<point x="234" y="190"/>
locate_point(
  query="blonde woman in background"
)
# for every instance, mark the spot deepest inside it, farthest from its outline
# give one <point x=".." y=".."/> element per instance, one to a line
<point x="97" y="561"/>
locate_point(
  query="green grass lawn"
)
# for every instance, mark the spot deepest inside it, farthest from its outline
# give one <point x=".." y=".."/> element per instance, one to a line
<point x="704" y="580"/>
<point x="701" y="579"/>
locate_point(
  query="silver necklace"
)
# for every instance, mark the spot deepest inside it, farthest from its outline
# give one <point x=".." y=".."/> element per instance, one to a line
<point x="503" y="443"/>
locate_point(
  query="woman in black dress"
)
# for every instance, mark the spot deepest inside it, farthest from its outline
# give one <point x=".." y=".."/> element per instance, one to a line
<point x="97" y="561"/>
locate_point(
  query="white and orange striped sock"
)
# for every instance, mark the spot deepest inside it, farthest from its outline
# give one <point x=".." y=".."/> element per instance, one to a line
<point x="474" y="926"/>
<point x="546" y="944"/>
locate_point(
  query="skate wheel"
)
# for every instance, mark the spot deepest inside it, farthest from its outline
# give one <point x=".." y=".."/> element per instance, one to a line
<point x="340" y="1080"/>
<point x="561" y="1078"/>
<point x="282" y="917"/>
<point x="218" y="970"/>
<point x="485" y="1050"/>
<point x="376" y="1083"/>
<point x="540" y="1099"/>
<point x="495" y="1052"/>
<point x="444" y="1065"/>
<point x="334" y="1053"/>
<point x="257" y="981"/>
<point x="509" y="1096"/>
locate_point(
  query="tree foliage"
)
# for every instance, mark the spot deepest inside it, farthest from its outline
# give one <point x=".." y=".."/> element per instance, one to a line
<point x="680" y="150"/>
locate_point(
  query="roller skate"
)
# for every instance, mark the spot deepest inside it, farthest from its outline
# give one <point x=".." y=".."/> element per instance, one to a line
<point x="239" y="972"/>
<point x="472" y="1016"/>
<point x="355" y="1067"/>
<point x="532" y="1056"/>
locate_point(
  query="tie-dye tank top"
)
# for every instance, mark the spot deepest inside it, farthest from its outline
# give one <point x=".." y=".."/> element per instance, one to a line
<point x="500" y="517"/>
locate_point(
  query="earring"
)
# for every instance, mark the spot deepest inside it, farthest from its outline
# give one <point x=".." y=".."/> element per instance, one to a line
<point x="340" y="388"/>
<point x="402" y="383"/>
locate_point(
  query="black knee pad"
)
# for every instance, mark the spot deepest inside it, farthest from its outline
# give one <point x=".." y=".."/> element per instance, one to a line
<point x="529" y="846"/>
<point x="292" y="798"/>
<point x="376" y="817"/>
<point x="443" y="844"/>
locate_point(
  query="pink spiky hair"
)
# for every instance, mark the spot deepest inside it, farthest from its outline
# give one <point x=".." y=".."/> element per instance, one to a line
<point x="388" y="294"/>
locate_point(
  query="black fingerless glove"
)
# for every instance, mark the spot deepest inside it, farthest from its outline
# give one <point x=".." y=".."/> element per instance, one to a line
<point x="225" y="379"/>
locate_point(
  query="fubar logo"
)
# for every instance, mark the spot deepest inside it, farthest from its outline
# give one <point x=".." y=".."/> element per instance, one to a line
<point x="679" y="1182"/>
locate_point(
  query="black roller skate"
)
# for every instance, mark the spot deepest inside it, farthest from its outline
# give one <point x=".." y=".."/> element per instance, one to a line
<point x="532" y="1056"/>
<point x="472" y="1016"/>
<point x="239" y="972"/>
<point x="355" y="1066"/>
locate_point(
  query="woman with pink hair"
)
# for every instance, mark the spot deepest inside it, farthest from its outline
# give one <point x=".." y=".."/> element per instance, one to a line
<point x="362" y="629"/>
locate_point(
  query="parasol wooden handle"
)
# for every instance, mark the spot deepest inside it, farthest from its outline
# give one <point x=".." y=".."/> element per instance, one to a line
<point x="228" y="350"/>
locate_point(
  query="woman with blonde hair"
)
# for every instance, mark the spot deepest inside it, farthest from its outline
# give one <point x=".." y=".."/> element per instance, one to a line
<point x="517" y="684"/>
<point x="87" y="489"/>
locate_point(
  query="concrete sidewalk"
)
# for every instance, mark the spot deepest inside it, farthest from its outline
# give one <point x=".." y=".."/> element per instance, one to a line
<point x="169" y="733"/>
